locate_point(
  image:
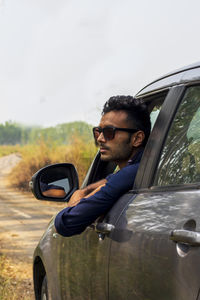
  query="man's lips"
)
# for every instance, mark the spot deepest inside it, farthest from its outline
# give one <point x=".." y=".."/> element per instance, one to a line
<point x="103" y="149"/>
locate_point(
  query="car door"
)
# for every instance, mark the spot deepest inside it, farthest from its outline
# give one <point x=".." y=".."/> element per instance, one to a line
<point x="155" y="248"/>
<point x="83" y="266"/>
<point x="83" y="259"/>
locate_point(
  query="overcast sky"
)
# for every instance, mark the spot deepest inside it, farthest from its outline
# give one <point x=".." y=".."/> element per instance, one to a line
<point x="60" y="60"/>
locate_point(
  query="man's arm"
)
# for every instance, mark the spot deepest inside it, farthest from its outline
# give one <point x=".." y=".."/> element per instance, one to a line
<point x="56" y="193"/>
<point x="74" y="220"/>
<point x="88" y="191"/>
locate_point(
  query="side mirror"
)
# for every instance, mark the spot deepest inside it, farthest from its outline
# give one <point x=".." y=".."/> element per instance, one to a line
<point x="55" y="182"/>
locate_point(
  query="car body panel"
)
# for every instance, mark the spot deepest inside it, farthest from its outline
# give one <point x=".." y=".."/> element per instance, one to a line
<point x="149" y="265"/>
<point x="89" y="262"/>
<point x="46" y="254"/>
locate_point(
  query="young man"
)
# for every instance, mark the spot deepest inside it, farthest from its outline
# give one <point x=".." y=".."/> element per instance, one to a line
<point x="121" y="136"/>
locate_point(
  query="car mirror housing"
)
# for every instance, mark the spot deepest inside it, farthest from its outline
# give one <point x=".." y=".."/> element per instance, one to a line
<point x="55" y="182"/>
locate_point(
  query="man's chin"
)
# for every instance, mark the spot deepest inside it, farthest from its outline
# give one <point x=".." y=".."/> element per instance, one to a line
<point x="105" y="157"/>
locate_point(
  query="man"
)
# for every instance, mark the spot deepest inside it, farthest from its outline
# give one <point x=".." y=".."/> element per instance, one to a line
<point x="121" y="135"/>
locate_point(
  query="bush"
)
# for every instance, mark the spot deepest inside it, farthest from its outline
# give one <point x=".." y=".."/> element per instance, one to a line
<point x="35" y="157"/>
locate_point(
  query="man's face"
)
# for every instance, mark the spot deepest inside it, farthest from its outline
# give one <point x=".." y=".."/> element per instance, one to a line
<point x="121" y="148"/>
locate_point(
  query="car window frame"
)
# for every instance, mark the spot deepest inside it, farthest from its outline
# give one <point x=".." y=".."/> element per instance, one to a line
<point x="154" y="146"/>
<point x="149" y="170"/>
<point x="98" y="170"/>
<point x="178" y="186"/>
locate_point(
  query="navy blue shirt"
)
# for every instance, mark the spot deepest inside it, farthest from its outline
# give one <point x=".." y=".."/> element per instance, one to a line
<point x="74" y="220"/>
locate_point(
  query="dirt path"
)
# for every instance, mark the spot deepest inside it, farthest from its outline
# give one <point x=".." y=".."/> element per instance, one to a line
<point x="23" y="220"/>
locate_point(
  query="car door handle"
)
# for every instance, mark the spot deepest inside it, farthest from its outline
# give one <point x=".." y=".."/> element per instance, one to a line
<point x="186" y="236"/>
<point x="104" y="228"/>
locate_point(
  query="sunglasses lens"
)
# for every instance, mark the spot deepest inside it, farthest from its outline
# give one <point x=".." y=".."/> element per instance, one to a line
<point x="96" y="132"/>
<point x="108" y="133"/>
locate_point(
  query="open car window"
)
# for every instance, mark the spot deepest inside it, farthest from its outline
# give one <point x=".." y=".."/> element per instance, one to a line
<point x="154" y="103"/>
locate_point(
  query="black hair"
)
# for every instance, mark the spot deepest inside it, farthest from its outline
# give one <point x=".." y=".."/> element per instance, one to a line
<point x="137" y="112"/>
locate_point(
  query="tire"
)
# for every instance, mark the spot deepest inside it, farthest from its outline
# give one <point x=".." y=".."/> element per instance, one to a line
<point x="44" y="290"/>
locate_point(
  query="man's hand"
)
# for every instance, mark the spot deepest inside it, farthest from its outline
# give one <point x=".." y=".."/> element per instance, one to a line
<point x="76" y="197"/>
<point x="86" y="192"/>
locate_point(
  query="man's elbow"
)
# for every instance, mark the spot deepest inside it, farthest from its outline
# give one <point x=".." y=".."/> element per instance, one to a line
<point x="66" y="230"/>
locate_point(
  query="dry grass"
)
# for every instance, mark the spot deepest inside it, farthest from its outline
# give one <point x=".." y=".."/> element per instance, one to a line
<point x="15" y="282"/>
<point x="8" y="149"/>
<point x="34" y="157"/>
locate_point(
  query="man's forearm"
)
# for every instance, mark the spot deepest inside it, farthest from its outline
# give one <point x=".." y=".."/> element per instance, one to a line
<point x="79" y="194"/>
<point x="93" y="186"/>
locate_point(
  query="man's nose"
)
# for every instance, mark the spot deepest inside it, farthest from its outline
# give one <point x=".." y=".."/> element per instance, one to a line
<point x="101" y="138"/>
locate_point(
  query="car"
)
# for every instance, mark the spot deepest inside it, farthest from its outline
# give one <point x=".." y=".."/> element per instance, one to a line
<point x="148" y="245"/>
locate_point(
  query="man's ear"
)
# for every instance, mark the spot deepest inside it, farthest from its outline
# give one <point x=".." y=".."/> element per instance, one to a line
<point x="138" y="138"/>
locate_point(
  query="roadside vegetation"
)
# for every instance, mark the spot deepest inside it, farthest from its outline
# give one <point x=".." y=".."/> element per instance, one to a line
<point x="39" y="147"/>
<point x="34" y="157"/>
<point x="14" y="284"/>
<point x="9" y="149"/>
<point x="12" y="133"/>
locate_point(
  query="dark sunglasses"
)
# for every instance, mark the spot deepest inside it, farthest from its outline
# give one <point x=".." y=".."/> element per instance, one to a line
<point x="109" y="132"/>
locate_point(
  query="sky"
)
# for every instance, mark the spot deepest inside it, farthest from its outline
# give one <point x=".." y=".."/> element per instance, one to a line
<point x="60" y="60"/>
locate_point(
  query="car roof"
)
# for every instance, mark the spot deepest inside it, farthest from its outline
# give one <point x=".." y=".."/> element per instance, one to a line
<point x="184" y="75"/>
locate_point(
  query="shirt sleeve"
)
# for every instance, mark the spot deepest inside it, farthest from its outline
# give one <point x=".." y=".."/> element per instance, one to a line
<point x="74" y="220"/>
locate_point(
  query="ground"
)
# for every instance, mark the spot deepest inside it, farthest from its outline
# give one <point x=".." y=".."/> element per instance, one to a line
<point x="23" y="219"/>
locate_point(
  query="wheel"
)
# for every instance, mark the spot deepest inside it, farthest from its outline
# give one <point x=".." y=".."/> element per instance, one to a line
<point x="44" y="290"/>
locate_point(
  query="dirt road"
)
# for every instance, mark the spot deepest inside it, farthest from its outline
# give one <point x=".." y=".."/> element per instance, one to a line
<point x="23" y="219"/>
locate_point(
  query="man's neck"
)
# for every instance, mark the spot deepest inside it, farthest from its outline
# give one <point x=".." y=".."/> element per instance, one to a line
<point x="122" y="164"/>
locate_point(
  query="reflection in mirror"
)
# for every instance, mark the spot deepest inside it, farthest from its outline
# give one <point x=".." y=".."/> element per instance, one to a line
<point x="55" y="183"/>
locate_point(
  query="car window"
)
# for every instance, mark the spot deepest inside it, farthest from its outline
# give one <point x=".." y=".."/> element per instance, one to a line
<point x="154" y="103"/>
<point x="180" y="158"/>
<point x="154" y="114"/>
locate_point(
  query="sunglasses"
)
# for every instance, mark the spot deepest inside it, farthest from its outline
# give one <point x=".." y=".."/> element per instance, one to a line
<point x="109" y="132"/>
